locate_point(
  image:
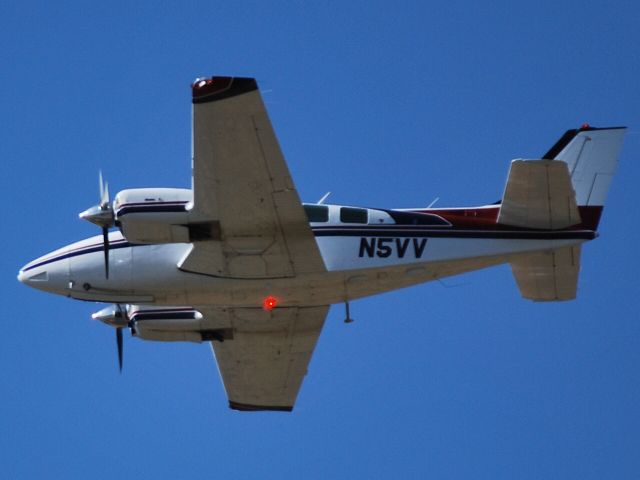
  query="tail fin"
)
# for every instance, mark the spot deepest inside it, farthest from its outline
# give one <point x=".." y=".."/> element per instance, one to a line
<point x="592" y="157"/>
<point x="568" y="186"/>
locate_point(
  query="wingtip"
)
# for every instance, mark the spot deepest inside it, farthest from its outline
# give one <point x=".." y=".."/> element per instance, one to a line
<point x="219" y="88"/>
<point x="245" y="407"/>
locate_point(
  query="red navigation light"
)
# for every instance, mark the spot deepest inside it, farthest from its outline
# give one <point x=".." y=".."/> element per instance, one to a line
<point x="269" y="303"/>
<point x="585" y="126"/>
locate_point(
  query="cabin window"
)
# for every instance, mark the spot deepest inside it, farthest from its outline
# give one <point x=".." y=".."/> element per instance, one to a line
<point x="353" y="215"/>
<point x="317" y="213"/>
<point x="415" y="218"/>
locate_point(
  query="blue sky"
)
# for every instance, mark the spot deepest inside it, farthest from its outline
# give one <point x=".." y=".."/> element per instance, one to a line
<point x="384" y="104"/>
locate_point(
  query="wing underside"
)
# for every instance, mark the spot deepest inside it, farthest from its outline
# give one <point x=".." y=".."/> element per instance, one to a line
<point x="263" y="362"/>
<point x="248" y="215"/>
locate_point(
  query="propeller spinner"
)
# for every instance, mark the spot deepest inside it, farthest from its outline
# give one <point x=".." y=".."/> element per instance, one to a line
<point x="117" y="317"/>
<point x="103" y="216"/>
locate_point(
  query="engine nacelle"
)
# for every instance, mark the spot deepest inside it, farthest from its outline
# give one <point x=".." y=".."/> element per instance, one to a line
<point x="174" y="324"/>
<point x="153" y="215"/>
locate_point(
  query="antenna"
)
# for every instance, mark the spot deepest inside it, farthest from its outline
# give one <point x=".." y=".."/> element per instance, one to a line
<point x="325" y="196"/>
<point x="434" y="202"/>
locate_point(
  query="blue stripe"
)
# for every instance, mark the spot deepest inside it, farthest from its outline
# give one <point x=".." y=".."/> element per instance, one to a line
<point x="89" y="249"/>
<point x="403" y="231"/>
<point x="377" y="231"/>
<point x="150" y="209"/>
<point x="152" y="315"/>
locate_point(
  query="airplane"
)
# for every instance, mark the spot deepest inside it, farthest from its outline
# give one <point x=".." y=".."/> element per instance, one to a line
<point x="240" y="262"/>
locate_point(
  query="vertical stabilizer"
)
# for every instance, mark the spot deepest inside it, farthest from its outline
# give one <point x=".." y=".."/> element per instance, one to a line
<point x="592" y="157"/>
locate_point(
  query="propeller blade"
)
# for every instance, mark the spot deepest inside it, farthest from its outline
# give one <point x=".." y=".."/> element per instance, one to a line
<point x="105" y="241"/>
<point x="101" y="214"/>
<point x="104" y="192"/>
<point x="105" y="200"/>
<point x="119" y="342"/>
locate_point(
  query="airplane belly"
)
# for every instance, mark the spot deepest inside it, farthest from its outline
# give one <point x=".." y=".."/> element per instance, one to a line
<point x="358" y="267"/>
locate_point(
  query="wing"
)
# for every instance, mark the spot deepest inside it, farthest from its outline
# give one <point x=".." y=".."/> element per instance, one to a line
<point x="248" y="221"/>
<point x="264" y="359"/>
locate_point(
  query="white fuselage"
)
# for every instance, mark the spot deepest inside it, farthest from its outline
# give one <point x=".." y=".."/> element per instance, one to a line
<point x="361" y="260"/>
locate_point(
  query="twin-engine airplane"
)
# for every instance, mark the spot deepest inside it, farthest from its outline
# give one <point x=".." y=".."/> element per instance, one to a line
<point x="240" y="262"/>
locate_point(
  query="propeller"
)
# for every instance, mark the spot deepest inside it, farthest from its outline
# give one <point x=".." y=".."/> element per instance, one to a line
<point x="117" y="317"/>
<point x="121" y="314"/>
<point x="103" y="216"/>
<point x="119" y="342"/>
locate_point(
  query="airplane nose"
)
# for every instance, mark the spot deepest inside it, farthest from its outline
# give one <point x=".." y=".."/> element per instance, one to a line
<point x="32" y="277"/>
<point x="47" y="274"/>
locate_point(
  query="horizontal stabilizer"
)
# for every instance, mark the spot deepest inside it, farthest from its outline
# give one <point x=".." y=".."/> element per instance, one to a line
<point x="539" y="195"/>
<point x="548" y="276"/>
